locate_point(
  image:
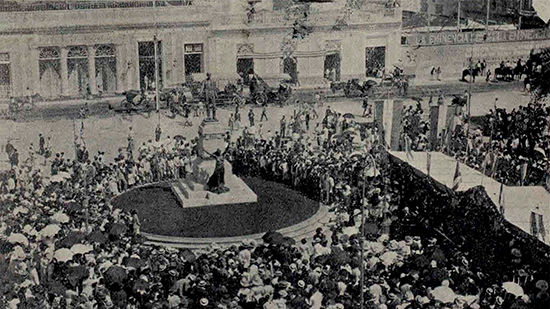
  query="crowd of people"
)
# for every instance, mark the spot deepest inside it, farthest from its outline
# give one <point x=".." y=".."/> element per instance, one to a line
<point x="63" y="245"/>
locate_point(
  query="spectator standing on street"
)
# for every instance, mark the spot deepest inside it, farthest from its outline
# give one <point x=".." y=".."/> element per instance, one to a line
<point x="264" y="114"/>
<point x="365" y="106"/>
<point x="251" y="117"/>
<point x="41" y="142"/>
<point x="158" y="133"/>
<point x="438" y="73"/>
<point x="283" y="127"/>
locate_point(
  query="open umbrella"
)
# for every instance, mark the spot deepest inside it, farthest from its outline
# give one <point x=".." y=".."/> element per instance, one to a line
<point x="118" y="229"/>
<point x="5" y="247"/>
<point x="349" y="116"/>
<point x="388" y="258"/>
<point x="444" y="294"/>
<point x="97" y="237"/>
<point x="513" y="288"/>
<point x="188" y="255"/>
<point x="17" y="238"/>
<point x="50" y="230"/>
<point x="115" y="275"/>
<point x="81" y="249"/>
<point x="60" y="217"/>
<point x="179" y="138"/>
<point x="56" y="287"/>
<point x="71" y="239"/>
<point x="20" y="209"/>
<point x="272" y="237"/>
<point x="134" y="263"/>
<point x="76" y="273"/>
<point x="63" y="255"/>
<point x="289" y="241"/>
<point x="56" y="178"/>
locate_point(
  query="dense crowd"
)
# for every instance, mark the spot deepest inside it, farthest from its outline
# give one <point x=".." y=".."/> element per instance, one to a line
<point x="64" y="246"/>
<point x="517" y="148"/>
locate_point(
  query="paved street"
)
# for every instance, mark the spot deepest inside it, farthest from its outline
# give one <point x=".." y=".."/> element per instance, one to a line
<point x="107" y="130"/>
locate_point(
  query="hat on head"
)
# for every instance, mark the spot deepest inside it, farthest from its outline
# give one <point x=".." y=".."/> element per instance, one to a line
<point x="203" y="302"/>
<point x="245" y="282"/>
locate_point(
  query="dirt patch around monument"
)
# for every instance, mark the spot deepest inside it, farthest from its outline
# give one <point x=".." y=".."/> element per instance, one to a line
<point x="160" y="213"/>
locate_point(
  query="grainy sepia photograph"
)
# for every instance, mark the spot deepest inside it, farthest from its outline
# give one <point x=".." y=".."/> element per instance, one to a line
<point x="274" y="154"/>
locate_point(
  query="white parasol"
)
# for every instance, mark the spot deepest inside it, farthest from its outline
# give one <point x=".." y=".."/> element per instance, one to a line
<point x="20" y="209"/>
<point x="50" y="230"/>
<point x="389" y="258"/>
<point x="63" y="255"/>
<point x="444" y="294"/>
<point x="513" y="288"/>
<point x="81" y="249"/>
<point x="17" y="238"/>
<point x="60" y="217"/>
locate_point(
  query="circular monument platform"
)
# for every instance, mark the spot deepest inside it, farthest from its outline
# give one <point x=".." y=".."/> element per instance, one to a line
<point x="278" y="208"/>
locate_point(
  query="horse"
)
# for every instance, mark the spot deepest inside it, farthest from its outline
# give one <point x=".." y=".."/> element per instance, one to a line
<point x="466" y="72"/>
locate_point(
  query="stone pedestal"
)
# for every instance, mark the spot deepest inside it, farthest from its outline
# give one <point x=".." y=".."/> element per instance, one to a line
<point x="191" y="192"/>
<point x="211" y="136"/>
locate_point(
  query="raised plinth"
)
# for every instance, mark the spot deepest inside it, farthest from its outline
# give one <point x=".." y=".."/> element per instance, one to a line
<point x="191" y="192"/>
<point x="211" y="135"/>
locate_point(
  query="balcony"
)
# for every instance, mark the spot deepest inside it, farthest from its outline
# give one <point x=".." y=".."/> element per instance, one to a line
<point x="269" y="19"/>
<point x="13" y="6"/>
<point x="57" y="21"/>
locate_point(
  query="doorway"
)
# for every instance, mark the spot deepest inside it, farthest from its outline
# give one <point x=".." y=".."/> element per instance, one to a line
<point x="375" y="61"/>
<point x="146" y="52"/>
<point x="245" y="67"/>
<point x="332" y="67"/>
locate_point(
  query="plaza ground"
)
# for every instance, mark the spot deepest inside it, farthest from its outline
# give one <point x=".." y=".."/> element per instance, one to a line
<point x="107" y="131"/>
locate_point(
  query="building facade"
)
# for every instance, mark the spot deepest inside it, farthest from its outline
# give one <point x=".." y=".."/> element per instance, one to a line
<point x="72" y="51"/>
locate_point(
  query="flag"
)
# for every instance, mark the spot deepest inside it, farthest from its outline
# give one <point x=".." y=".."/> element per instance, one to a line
<point x="408" y="150"/>
<point x="501" y="201"/>
<point x="523" y="172"/>
<point x="534" y="227"/>
<point x="486" y="161"/>
<point x="428" y="162"/>
<point x="457" y="179"/>
<point x="542" y="230"/>
<point x="494" y="170"/>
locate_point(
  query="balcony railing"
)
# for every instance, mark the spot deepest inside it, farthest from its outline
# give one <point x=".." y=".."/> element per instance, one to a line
<point x="88" y="5"/>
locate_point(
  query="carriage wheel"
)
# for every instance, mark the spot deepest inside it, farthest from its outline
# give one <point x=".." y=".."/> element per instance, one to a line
<point x="261" y="99"/>
<point x="237" y="100"/>
<point x="126" y="105"/>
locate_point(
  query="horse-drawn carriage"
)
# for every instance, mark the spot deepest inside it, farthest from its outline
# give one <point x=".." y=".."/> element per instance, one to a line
<point x="258" y="91"/>
<point x="136" y="100"/>
<point x="353" y="88"/>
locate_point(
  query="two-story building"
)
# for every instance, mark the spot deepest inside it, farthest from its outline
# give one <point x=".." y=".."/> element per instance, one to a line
<point x="66" y="49"/>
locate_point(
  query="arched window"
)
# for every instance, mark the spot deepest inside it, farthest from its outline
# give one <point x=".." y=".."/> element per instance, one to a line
<point x="105" y="51"/>
<point x="49" y="53"/>
<point x="77" y="52"/>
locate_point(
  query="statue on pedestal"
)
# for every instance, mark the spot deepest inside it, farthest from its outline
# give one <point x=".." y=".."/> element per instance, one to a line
<point x="216" y="182"/>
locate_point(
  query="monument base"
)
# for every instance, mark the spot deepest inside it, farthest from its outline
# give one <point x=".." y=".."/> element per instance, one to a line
<point x="192" y="191"/>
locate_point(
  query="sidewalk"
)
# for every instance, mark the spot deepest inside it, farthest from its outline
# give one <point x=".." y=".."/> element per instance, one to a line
<point x="419" y="88"/>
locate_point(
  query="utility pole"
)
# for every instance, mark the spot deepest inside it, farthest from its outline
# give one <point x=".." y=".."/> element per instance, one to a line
<point x="520" y="12"/>
<point x="156" y="65"/>
<point x="487" y="19"/>
<point x="458" y="16"/>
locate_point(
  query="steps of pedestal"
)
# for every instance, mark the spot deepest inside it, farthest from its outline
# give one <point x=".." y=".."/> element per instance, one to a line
<point x="304" y="229"/>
